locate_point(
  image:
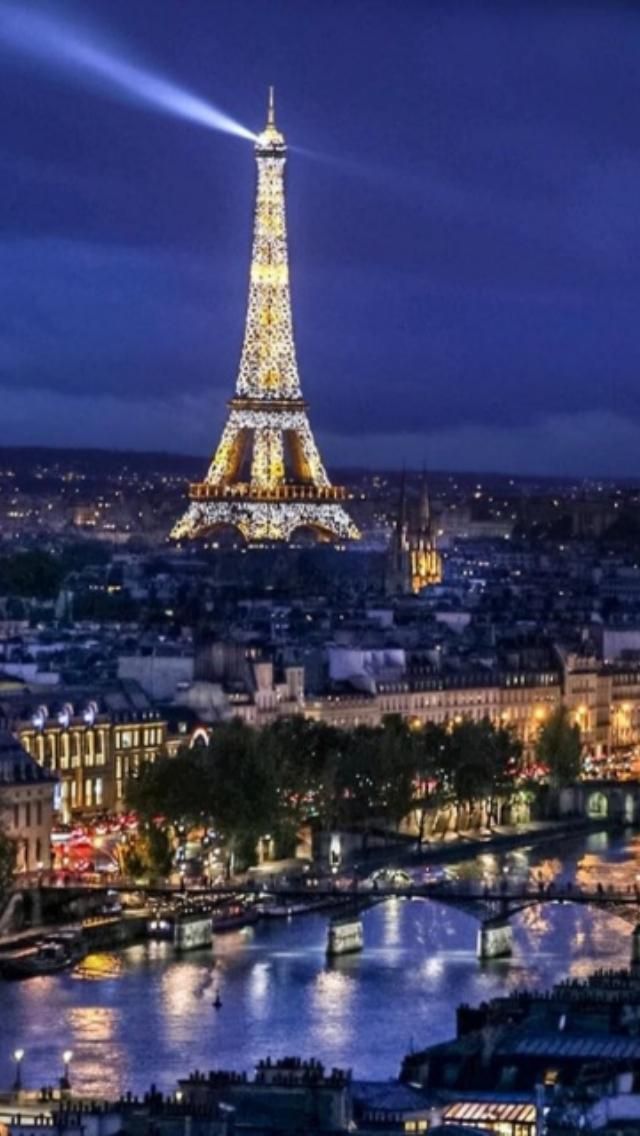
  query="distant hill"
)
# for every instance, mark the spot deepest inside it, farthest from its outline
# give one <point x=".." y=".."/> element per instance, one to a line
<point x="27" y="460"/>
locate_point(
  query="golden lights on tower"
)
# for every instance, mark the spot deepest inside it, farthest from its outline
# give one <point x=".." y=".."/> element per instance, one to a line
<point x="267" y="477"/>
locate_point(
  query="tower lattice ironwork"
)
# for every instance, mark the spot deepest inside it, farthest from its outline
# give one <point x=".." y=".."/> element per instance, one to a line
<point x="267" y="478"/>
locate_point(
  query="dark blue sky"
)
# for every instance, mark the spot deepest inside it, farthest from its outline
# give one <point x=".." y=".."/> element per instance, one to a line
<point x="465" y="243"/>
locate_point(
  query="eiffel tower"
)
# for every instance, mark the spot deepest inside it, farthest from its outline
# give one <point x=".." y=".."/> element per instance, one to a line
<point x="266" y="478"/>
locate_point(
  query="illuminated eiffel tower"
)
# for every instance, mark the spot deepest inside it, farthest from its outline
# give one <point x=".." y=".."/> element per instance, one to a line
<point x="267" y="478"/>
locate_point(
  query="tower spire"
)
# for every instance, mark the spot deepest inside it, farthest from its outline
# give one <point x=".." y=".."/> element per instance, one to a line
<point x="424" y="510"/>
<point x="267" y="477"/>
<point x="402" y="507"/>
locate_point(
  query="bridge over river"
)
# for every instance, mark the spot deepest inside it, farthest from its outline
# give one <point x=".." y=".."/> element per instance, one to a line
<point x="493" y="905"/>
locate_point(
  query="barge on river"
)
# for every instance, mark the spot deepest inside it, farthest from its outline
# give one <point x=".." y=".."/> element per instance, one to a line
<point x="345" y="936"/>
<point x="187" y="929"/>
<point x="48" y="956"/>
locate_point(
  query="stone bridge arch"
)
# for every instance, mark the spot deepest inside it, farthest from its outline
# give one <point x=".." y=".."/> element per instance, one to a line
<point x="616" y="801"/>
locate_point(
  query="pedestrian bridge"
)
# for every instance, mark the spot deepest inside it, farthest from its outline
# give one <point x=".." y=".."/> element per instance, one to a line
<point x="493" y="905"/>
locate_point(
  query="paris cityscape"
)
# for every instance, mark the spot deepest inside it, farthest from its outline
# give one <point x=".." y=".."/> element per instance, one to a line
<point x="319" y="568"/>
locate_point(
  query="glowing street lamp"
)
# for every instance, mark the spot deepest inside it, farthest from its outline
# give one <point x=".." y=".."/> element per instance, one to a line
<point x="66" y="1060"/>
<point x="18" y="1054"/>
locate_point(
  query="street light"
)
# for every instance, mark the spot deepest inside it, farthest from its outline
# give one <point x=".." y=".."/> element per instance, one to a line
<point x="18" y="1054"/>
<point x="66" y="1079"/>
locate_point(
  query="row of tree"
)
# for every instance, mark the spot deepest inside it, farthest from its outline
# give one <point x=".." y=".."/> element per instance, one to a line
<point x="247" y="783"/>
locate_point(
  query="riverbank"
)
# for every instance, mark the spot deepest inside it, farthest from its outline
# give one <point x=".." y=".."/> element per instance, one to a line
<point x="466" y="846"/>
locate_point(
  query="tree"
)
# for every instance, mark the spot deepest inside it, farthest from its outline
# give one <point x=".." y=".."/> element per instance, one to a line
<point x="304" y="755"/>
<point x="244" y="791"/>
<point x="375" y="776"/>
<point x="559" y="748"/>
<point x="31" y="574"/>
<point x="432" y="786"/>
<point x="396" y="768"/>
<point x="176" y="788"/>
<point x="149" y="853"/>
<point x="8" y="853"/>
<point x="485" y="764"/>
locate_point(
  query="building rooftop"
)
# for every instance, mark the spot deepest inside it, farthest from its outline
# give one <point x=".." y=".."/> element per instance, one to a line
<point x="17" y="766"/>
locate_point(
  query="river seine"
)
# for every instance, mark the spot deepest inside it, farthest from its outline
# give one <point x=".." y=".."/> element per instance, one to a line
<point x="141" y="1016"/>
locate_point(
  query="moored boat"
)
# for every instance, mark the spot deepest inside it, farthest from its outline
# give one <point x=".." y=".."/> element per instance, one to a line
<point x="345" y="936"/>
<point x="233" y="916"/>
<point x="46" y="957"/>
<point x="188" y="927"/>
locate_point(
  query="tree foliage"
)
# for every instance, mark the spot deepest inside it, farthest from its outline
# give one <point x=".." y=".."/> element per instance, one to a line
<point x="31" y="574"/>
<point x="8" y="853"/>
<point x="559" y="748"/>
<point x="148" y="853"/>
<point x="246" y="783"/>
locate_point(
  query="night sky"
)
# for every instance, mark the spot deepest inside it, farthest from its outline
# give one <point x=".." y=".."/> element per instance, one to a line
<point x="464" y="229"/>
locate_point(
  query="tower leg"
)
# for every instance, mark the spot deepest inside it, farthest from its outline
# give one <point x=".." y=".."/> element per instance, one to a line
<point x="495" y="939"/>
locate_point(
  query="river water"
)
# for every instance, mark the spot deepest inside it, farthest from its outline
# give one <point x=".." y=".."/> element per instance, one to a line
<point x="141" y="1016"/>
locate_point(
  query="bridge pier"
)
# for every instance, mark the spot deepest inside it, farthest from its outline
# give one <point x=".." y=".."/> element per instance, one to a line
<point x="495" y="938"/>
<point x="635" y="946"/>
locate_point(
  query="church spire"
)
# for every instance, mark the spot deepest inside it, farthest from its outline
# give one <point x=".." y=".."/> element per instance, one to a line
<point x="424" y="508"/>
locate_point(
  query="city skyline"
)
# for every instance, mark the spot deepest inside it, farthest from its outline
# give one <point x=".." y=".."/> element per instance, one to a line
<point x="462" y="244"/>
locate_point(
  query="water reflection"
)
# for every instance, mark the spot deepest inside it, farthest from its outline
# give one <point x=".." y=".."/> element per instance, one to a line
<point x="97" y="967"/>
<point x="92" y="1033"/>
<point x="392" y="921"/>
<point x="143" y="1015"/>
<point x="332" y="995"/>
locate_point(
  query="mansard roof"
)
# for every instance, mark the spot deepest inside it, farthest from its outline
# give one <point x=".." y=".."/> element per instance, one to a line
<point x="17" y="766"/>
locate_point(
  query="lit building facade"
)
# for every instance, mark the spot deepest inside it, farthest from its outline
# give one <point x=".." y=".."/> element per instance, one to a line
<point x="267" y="479"/>
<point x="521" y="700"/>
<point x="604" y="701"/>
<point x="91" y="751"/>
<point x="26" y="804"/>
<point x="413" y="561"/>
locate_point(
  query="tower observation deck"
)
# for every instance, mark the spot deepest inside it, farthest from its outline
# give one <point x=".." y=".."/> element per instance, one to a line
<point x="266" y="478"/>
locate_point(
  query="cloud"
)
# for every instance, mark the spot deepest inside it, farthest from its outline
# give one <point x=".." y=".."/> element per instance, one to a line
<point x="99" y="319"/>
<point x="599" y="443"/>
<point x="182" y="423"/>
<point x="568" y="445"/>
